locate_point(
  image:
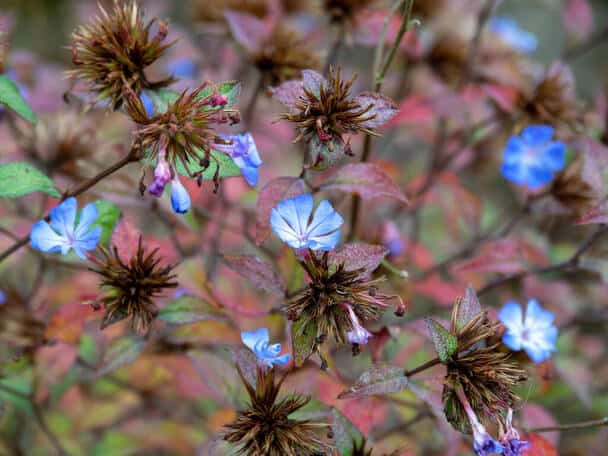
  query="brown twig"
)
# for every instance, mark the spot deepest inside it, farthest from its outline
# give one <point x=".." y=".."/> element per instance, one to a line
<point x="433" y="362"/>
<point x="568" y="427"/>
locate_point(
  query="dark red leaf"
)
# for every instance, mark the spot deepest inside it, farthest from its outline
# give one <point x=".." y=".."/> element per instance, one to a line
<point x="261" y="273"/>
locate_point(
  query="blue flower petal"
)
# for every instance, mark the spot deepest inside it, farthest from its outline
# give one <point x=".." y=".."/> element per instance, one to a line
<point x="88" y="215"/>
<point x="87" y="242"/>
<point x="63" y="217"/>
<point x="536" y="316"/>
<point x="296" y="212"/>
<point x="180" y="198"/>
<point x="324" y="243"/>
<point x="253" y="338"/>
<point x="511" y="316"/>
<point x="554" y="156"/>
<point x="250" y="173"/>
<point x="325" y="220"/>
<point x="513" y="341"/>
<point x="283" y="230"/>
<point x="537" y="353"/>
<point x="538" y="176"/>
<point x="183" y="68"/>
<point x="282" y="360"/>
<point x="537" y="135"/>
<point x="513" y="150"/>
<point x="45" y="239"/>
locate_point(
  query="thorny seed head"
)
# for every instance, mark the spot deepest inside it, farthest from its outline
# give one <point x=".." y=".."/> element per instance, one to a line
<point x="131" y="287"/>
<point x="572" y="190"/>
<point x="18" y="327"/>
<point x="283" y="56"/>
<point x="184" y="132"/>
<point x="486" y="374"/>
<point x="330" y="113"/>
<point x="112" y="52"/>
<point x="265" y="428"/>
<point x="323" y="302"/>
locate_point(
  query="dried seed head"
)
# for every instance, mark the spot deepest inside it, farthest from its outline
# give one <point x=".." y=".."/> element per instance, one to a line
<point x="572" y="190"/>
<point x="284" y="55"/>
<point x="18" y="327"/>
<point x="131" y="287"/>
<point x="265" y="428"/>
<point x="332" y="294"/>
<point x="112" y="52"/>
<point x="184" y="133"/>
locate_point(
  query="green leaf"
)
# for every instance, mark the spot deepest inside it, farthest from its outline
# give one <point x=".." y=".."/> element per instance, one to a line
<point x="10" y="96"/>
<point x="230" y="89"/>
<point x="120" y="352"/>
<point x="445" y="343"/>
<point x="87" y="349"/>
<point x="376" y="381"/>
<point x="16" y="390"/>
<point x="304" y="341"/>
<point x="346" y="435"/>
<point x="20" y="179"/>
<point x="116" y="443"/>
<point x="227" y="166"/>
<point x="161" y="99"/>
<point x="108" y="215"/>
<point x="188" y="309"/>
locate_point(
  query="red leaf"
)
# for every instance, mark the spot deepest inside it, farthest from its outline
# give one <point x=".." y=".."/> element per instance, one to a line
<point x="536" y="416"/>
<point x="261" y="273"/>
<point x="359" y="255"/>
<point x="367" y="180"/>
<point x="506" y="256"/>
<point x="577" y="19"/>
<point x="413" y="110"/>
<point x="249" y="31"/>
<point x="382" y="107"/>
<point x="539" y="446"/>
<point x="273" y="192"/>
<point x="289" y="93"/>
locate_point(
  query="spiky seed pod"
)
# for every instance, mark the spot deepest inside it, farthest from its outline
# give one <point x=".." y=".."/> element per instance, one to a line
<point x="323" y="301"/>
<point x="184" y="132"/>
<point x="330" y="113"/>
<point x="18" y="327"/>
<point x="112" y="52"/>
<point x="58" y="141"/>
<point x="213" y="10"/>
<point x="486" y="373"/>
<point x="265" y="428"/>
<point x="284" y="55"/>
<point x="572" y="190"/>
<point x="131" y="287"/>
<point x="345" y="10"/>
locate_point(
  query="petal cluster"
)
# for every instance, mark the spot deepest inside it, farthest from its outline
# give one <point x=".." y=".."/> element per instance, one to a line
<point x="532" y="158"/>
<point x="534" y="332"/>
<point x="258" y="341"/>
<point x="291" y="221"/>
<point x="63" y="233"/>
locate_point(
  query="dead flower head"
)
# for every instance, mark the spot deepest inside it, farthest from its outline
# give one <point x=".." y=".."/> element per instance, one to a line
<point x="265" y="428"/>
<point x="112" y="52"/>
<point x="131" y="287"/>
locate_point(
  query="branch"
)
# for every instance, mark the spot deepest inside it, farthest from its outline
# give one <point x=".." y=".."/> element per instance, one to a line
<point x="432" y="363"/>
<point x="133" y="156"/>
<point x="567" y="427"/>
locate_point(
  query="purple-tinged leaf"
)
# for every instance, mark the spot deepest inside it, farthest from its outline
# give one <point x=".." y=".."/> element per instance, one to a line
<point x="312" y="81"/>
<point x="249" y="31"/>
<point x="382" y="107"/>
<point x="577" y="19"/>
<point x="273" y="192"/>
<point x="377" y="380"/>
<point x="444" y="342"/>
<point x="467" y="308"/>
<point x="247" y="362"/>
<point x="259" y="272"/>
<point x="346" y="434"/>
<point x="189" y="309"/>
<point x="289" y="93"/>
<point x="121" y="352"/>
<point x="359" y="255"/>
<point x="323" y="154"/>
<point x="367" y="180"/>
<point x="598" y="214"/>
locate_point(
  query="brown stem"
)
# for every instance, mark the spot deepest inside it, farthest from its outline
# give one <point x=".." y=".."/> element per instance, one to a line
<point x="433" y="362"/>
<point x="83" y="187"/>
<point x="253" y="102"/>
<point x="567" y="427"/>
<point x="569" y="264"/>
<point x="334" y="51"/>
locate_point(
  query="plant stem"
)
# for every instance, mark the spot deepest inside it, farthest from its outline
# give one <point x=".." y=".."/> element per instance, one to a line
<point x="567" y="427"/>
<point x="253" y="102"/>
<point x="334" y="51"/>
<point x="433" y="362"/>
<point x="83" y="187"/>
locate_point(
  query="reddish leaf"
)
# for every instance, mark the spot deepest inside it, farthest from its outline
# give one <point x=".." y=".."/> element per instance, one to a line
<point x="506" y="256"/>
<point x="469" y="307"/>
<point x="68" y="322"/>
<point x="412" y="110"/>
<point x="249" y="31"/>
<point x="598" y="214"/>
<point x="577" y="19"/>
<point x="273" y="192"/>
<point x="367" y="180"/>
<point x="52" y="362"/>
<point x="504" y="96"/>
<point x="539" y="446"/>
<point x="536" y="416"/>
<point x="289" y="93"/>
<point x="382" y="107"/>
<point x="125" y="239"/>
<point x="359" y="255"/>
<point x="261" y="273"/>
<point x="312" y="80"/>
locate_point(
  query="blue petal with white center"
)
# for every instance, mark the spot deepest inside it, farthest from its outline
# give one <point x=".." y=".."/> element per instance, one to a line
<point x="532" y="158"/>
<point x="258" y="342"/>
<point x="61" y="234"/>
<point x="291" y="221"/>
<point x="513" y="35"/>
<point x="245" y="155"/>
<point x="534" y="332"/>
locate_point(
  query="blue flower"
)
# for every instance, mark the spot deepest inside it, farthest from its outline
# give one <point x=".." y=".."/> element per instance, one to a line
<point x="180" y="198"/>
<point x="148" y="104"/>
<point x="359" y="335"/>
<point x="63" y="234"/>
<point x="513" y="35"/>
<point x="182" y="68"/>
<point x="532" y="158"/>
<point x="533" y="333"/>
<point x="245" y="155"/>
<point x="257" y="341"/>
<point x="2" y="297"/>
<point x="291" y="222"/>
<point x="513" y="445"/>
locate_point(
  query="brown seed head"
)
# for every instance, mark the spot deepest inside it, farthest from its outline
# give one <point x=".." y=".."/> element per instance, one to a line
<point x="322" y="302"/>
<point x="131" y="287"/>
<point x="572" y="190"/>
<point x="265" y="428"/>
<point x="111" y="52"/>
